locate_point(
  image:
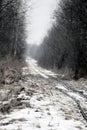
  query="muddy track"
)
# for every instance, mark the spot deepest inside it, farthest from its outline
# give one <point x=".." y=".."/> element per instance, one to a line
<point x="78" y="104"/>
<point x="74" y="91"/>
<point x="70" y="88"/>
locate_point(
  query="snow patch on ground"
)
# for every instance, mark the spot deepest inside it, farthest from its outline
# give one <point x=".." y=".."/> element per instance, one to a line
<point x="37" y="70"/>
<point x="60" y="86"/>
<point x="43" y="116"/>
<point x="49" y="111"/>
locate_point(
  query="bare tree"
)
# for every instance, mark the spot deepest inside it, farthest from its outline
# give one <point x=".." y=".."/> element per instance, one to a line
<point x="66" y="44"/>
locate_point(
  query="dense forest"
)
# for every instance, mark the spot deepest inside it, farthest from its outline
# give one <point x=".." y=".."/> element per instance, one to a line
<point x="11" y="28"/>
<point x="65" y="46"/>
<point x="12" y="39"/>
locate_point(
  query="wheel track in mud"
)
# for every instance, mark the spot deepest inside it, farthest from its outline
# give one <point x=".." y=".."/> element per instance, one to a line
<point x="78" y="104"/>
<point x="71" y="88"/>
<point x="68" y="87"/>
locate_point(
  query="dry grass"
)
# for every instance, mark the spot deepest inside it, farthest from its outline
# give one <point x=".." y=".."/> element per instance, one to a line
<point x="10" y="69"/>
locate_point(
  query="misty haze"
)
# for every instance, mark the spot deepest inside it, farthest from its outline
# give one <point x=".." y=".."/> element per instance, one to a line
<point x="43" y="65"/>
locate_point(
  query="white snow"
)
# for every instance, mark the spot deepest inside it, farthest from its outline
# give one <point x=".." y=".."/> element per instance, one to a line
<point x="43" y="116"/>
<point x="47" y="112"/>
<point x="60" y="86"/>
<point x="36" y="70"/>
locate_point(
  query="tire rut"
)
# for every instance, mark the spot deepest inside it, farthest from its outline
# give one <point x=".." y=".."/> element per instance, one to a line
<point x="78" y="102"/>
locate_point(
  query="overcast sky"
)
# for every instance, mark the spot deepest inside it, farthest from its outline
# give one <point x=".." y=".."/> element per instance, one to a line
<point x="41" y="19"/>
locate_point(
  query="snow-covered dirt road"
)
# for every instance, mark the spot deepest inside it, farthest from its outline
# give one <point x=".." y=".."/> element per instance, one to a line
<point x="41" y="101"/>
